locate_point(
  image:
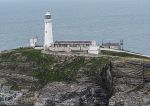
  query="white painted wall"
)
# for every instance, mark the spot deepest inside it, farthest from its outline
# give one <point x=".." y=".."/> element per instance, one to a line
<point x="93" y="50"/>
<point x="68" y="49"/>
<point x="93" y="43"/>
<point x="48" y="40"/>
<point x="90" y="50"/>
<point x="33" y="42"/>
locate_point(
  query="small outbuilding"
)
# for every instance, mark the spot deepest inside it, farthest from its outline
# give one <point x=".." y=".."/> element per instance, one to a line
<point x="33" y="42"/>
<point x="116" y="46"/>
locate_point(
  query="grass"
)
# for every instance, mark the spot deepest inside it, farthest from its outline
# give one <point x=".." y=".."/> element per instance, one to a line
<point x="121" y="54"/>
<point x="49" y="67"/>
<point x="95" y="65"/>
<point x="66" y="71"/>
<point x="7" y="57"/>
<point x="147" y="73"/>
<point x="53" y="68"/>
<point x="15" y="87"/>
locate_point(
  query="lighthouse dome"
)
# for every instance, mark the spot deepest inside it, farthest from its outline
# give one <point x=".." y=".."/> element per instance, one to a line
<point x="48" y="15"/>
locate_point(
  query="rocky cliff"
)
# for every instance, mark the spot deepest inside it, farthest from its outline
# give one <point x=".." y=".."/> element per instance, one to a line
<point x="28" y="77"/>
<point x="130" y="82"/>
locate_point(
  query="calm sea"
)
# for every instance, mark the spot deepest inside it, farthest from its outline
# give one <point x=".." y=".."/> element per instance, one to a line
<point x="107" y="20"/>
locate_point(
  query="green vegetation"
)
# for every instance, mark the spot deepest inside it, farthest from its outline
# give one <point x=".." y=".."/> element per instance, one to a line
<point x="52" y="68"/>
<point x="7" y="57"/>
<point x="147" y="73"/>
<point x="15" y="87"/>
<point x="122" y="54"/>
<point x="94" y="65"/>
<point x="13" y="84"/>
<point x="65" y="71"/>
<point x="56" y="68"/>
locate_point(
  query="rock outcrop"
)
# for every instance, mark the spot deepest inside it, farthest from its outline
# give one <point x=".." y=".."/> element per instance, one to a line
<point x="29" y="78"/>
<point x="130" y="88"/>
<point x="83" y="92"/>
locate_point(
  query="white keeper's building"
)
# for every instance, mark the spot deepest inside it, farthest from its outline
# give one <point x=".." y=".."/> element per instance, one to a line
<point x="89" y="47"/>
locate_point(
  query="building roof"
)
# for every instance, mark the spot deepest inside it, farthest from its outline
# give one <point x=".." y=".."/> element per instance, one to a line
<point x="47" y="13"/>
<point x="73" y="42"/>
<point x="110" y="44"/>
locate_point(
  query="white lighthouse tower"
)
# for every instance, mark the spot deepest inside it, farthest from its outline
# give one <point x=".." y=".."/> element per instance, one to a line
<point x="48" y="40"/>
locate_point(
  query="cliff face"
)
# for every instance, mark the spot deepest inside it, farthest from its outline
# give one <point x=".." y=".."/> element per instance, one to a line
<point x="85" y="91"/>
<point x="130" y="83"/>
<point x="39" y="79"/>
<point x="28" y="77"/>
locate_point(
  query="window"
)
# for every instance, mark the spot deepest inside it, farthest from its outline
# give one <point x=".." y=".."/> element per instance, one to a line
<point x="48" y="17"/>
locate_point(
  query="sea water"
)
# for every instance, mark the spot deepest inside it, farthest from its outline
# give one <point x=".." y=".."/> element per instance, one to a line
<point x="100" y="20"/>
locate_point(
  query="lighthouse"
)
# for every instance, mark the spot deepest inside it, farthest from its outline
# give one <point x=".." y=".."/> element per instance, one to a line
<point x="48" y="39"/>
